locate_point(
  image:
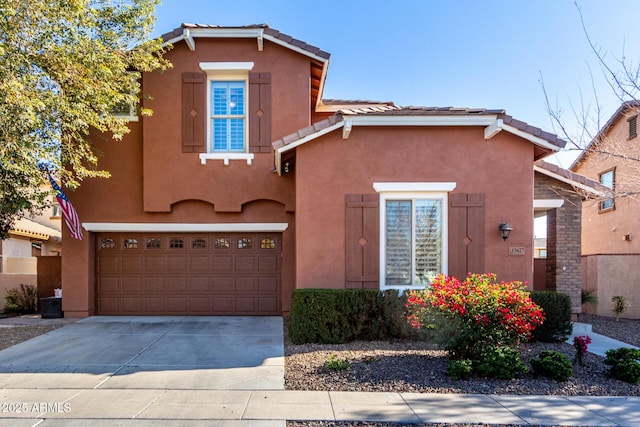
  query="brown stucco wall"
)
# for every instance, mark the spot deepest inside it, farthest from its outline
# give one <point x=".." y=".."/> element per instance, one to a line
<point x="163" y="160"/>
<point x="153" y="181"/>
<point x="611" y="275"/>
<point x="563" y="238"/>
<point x="603" y="232"/>
<point x="330" y="167"/>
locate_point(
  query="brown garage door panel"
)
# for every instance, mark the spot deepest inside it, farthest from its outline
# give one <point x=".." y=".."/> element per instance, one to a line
<point x="199" y="274"/>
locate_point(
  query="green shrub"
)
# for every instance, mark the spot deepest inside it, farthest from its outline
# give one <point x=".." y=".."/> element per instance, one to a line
<point x="332" y="316"/>
<point x="557" y="325"/>
<point x="21" y="300"/>
<point x="333" y="363"/>
<point x="552" y="364"/>
<point x="503" y="363"/>
<point x="624" y="364"/>
<point x="460" y="369"/>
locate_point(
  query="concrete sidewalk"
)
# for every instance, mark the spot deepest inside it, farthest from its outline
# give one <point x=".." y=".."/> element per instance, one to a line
<point x="235" y="408"/>
<point x="154" y="384"/>
<point x="599" y="343"/>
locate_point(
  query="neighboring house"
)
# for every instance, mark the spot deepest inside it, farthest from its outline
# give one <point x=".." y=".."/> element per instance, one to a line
<point x="30" y="255"/>
<point x="30" y="238"/>
<point x="245" y="185"/>
<point x="610" y="227"/>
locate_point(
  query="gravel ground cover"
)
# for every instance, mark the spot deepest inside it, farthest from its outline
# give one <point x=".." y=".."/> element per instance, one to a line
<point x="410" y="366"/>
<point x="14" y="334"/>
<point x="418" y="367"/>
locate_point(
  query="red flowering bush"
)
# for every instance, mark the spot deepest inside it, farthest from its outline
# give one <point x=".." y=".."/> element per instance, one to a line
<point x="479" y="312"/>
<point x="581" y="345"/>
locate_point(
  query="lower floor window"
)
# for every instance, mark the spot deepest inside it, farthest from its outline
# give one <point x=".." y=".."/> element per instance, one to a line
<point x="414" y="236"/>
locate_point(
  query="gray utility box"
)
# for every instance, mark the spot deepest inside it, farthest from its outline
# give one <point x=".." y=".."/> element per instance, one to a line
<point x="51" y="308"/>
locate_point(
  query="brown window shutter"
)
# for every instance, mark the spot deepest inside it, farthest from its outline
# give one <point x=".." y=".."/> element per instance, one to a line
<point x="362" y="241"/>
<point x="260" y="112"/>
<point x="466" y="234"/>
<point x="194" y="111"/>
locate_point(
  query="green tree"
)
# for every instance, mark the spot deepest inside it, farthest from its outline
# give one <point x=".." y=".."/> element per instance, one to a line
<point x="65" y="66"/>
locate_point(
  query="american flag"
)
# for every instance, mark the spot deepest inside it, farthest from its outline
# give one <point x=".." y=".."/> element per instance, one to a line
<point x="68" y="212"/>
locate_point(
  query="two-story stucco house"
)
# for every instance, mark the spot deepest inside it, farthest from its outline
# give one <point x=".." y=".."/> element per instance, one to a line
<point x="245" y="185"/>
<point x="610" y="226"/>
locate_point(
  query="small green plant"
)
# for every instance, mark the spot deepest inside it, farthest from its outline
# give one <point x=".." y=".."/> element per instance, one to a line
<point x="333" y="363"/>
<point x="503" y="363"/>
<point x="624" y="364"/>
<point x="552" y="364"/>
<point x="21" y="300"/>
<point x="619" y="306"/>
<point x="589" y="297"/>
<point x="460" y="369"/>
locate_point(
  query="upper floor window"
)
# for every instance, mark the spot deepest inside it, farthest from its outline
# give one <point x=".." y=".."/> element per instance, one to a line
<point x="227" y="111"/>
<point x="633" y="126"/>
<point x="608" y="179"/>
<point x="228" y="116"/>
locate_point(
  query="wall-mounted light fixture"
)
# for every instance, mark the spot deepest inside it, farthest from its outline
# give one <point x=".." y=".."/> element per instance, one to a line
<point x="505" y="229"/>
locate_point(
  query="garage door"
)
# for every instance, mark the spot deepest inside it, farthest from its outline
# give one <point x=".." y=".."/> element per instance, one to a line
<point x="188" y="274"/>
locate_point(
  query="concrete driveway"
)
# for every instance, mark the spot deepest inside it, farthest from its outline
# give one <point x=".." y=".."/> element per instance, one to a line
<point x="178" y="353"/>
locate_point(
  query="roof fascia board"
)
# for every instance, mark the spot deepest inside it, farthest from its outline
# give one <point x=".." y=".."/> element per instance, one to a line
<point x="532" y="138"/>
<point x="546" y="204"/>
<point x="310" y="137"/>
<point x="184" y="227"/>
<point x="323" y="78"/>
<point x="436" y="120"/>
<point x="566" y="180"/>
<point x="296" y="49"/>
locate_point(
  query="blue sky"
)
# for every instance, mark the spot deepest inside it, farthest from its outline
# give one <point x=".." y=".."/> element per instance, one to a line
<point x="465" y="53"/>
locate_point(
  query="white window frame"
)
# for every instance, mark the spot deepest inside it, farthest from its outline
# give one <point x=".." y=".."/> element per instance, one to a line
<point x="227" y="71"/>
<point x="412" y="191"/>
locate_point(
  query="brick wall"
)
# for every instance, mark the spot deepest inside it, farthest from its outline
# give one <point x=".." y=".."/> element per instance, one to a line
<point x="563" y="238"/>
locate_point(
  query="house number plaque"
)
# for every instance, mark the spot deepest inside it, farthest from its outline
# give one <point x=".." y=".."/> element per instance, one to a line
<point x="516" y="251"/>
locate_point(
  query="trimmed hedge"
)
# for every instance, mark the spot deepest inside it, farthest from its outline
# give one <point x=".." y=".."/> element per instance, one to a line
<point x="557" y="326"/>
<point x="331" y="316"/>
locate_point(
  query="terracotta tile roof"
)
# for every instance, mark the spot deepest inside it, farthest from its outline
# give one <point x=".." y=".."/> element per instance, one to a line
<point x="355" y="102"/>
<point x="392" y="110"/>
<point x="29" y="228"/>
<point x="309" y="130"/>
<point x="570" y="176"/>
<point x="267" y="30"/>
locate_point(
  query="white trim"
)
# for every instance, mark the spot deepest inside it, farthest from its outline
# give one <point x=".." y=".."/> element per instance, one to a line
<point x="188" y="39"/>
<point x="413" y="187"/>
<point x="297" y="49"/>
<point x="546" y="204"/>
<point x="240" y="33"/>
<point x="226" y="157"/>
<point x="567" y="180"/>
<point x="226" y="66"/>
<point x="278" y="152"/>
<point x="227" y="71"/>
<point x="493" y="129"/>
<point x="413" y="191"/>
<point x="185" y="228"/>
<point x="532" y="138"/>
<point x="437" y="120"/>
